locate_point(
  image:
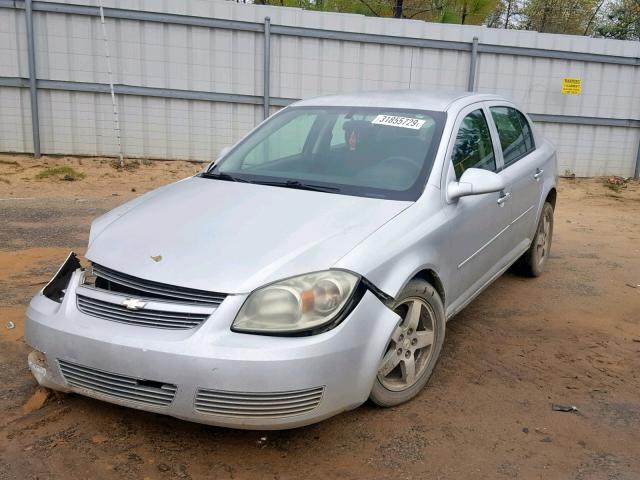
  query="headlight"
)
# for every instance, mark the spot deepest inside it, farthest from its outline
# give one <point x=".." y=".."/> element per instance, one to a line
<point x="299" y="304"/>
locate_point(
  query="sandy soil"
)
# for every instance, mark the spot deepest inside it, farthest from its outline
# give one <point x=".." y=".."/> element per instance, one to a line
<point x="571" y="336"/>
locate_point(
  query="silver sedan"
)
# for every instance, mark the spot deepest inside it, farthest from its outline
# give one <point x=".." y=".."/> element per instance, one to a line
<point x="310" y="268"/>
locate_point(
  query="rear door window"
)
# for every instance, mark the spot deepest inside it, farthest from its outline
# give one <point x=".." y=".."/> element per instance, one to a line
<point x="516" y="138"/>
<point x="473" y="147"/>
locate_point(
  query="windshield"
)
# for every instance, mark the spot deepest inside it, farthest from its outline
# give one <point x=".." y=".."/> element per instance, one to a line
<point x="373" y="152"/>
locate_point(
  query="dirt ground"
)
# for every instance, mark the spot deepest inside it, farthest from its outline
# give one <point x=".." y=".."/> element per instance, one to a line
<point x="571" y="337"/>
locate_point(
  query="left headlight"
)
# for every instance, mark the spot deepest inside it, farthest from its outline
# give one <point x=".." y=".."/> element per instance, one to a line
<point x="307" y="303"/>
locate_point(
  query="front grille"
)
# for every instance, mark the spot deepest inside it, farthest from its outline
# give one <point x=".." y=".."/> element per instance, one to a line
<point x="113" y="281"/>
<point x="144" y="318"/>
<point x="115" y="385"/>
<point x="257" y="405"/>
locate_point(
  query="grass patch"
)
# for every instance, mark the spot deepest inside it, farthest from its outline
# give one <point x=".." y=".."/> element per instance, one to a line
<point x="60" y="172"/>
<point x="128" y="165"/>
<point x="9" y="162"/>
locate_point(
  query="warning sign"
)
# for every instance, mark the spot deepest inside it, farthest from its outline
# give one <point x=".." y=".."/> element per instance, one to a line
<point x="571" y="86"/>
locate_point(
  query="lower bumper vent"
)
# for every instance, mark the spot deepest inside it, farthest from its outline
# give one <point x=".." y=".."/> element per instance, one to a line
<point x="119" y="386"/>
<point x="257" y="405"/>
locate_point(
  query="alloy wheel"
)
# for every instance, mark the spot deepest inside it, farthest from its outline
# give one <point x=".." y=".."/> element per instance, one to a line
<point x="543" y="237"/>
<point x="410" y="348"/>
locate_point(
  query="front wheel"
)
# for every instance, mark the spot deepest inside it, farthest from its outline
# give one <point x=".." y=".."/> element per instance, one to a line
<point x="414" y="347"/>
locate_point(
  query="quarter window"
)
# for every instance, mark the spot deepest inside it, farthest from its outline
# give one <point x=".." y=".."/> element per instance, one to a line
<point x="515" y="134"/>
<point x="473" y="147"/>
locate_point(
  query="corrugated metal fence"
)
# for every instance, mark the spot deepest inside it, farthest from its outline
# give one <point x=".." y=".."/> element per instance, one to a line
<point x="193" y="76"/>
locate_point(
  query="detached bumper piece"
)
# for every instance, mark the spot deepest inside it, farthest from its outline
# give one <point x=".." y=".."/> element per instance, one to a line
<point x="57" y="286"/>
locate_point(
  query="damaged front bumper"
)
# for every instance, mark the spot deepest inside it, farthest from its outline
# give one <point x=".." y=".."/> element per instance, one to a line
<point x="208" y="374"/>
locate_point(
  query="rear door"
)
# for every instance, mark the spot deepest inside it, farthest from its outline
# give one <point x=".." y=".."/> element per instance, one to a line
<point x="523" y="166"/>
<point x="478" y="223"/>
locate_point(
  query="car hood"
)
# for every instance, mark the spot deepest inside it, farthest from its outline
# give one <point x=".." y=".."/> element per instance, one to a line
<point x="233" y="237"/>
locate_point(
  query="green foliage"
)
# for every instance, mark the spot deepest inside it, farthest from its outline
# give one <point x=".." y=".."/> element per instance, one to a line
<point x="60" y="172"/>
<point x="475" y="12"/>
<point x="621" y="20"/>
<point x="449" y="15"/>
<point x="471" y="12"/>
<point x="559" y="16"/>
<point x="607" y="18"/>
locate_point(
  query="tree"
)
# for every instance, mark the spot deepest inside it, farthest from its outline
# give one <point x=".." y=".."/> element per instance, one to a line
<point x="471" y="12"/>
<point x="505" y="15"/>
<point x="558" y="16"/>
<point x="621" y="20"/>
<point x="397" y="9"/>
<point x="468" y="12"/>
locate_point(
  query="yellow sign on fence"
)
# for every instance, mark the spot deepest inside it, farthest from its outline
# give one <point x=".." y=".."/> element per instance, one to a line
<point x="571" y="86"/>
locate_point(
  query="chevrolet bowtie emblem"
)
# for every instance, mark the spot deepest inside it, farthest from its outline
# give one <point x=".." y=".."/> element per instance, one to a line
<point x="133" y="304"/>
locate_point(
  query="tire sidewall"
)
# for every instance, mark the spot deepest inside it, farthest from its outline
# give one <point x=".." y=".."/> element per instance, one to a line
<point x="537" y="267"/>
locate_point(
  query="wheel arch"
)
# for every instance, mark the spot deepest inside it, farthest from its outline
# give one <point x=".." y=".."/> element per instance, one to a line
<point x="431" y="276"/>
<point x="551" y="197"/>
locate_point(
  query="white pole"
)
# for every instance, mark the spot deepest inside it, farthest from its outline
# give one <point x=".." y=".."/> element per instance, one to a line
<point x="116" y="120"/>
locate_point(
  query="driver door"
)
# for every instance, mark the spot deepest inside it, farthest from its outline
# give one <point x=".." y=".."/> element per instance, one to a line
<point x="478" y="247"/>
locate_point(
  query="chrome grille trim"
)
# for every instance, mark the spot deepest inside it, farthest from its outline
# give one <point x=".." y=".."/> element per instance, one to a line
<point x="145" y="318"/>
<point x="116" y="385"/>
<point x="257" y="405"/>
<point x="151" y="289"/>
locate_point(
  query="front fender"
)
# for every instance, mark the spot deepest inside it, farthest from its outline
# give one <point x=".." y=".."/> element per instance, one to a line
<point x="403" y="247"/>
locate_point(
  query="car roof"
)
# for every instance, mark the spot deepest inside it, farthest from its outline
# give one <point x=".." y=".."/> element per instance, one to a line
<point x="436" y="100"/>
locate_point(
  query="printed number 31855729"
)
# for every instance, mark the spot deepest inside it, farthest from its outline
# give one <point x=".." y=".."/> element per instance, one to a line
<point x="395" y="121"/>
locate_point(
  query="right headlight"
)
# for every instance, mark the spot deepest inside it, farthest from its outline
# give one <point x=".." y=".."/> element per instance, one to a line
<point x="306" y="303"/>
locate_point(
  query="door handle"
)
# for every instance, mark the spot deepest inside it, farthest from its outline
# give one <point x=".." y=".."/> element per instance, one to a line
<point x="538" y="173"/>
<point x="503" y="198"/>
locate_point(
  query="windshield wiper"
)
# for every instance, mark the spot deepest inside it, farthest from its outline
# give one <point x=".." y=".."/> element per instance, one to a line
<point x="286" y="183"/>
<point x="300" y="186"/>
<point x="223" y="176"/>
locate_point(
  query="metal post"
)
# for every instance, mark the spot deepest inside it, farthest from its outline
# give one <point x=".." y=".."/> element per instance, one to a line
<point x="471" y="85"/>
<point x="636" y="174"/>
<point x="267" y="64"/>
<point x="33" y="89"/>
<point x="116" y="117"/>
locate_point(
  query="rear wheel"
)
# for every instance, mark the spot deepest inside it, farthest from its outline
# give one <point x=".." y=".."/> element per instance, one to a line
<point x="414" y="347"/>
<point x="533" y="261"/>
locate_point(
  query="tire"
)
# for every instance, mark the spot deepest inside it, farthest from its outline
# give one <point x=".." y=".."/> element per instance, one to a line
<point x="411" y="345"/>
<point x="533" y="261"/>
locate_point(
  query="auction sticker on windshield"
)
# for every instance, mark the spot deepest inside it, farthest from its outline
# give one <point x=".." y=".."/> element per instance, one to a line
<point x="394" y="121"/>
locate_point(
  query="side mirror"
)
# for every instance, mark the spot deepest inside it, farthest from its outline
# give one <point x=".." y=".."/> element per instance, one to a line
<point x="475" y="181"/>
